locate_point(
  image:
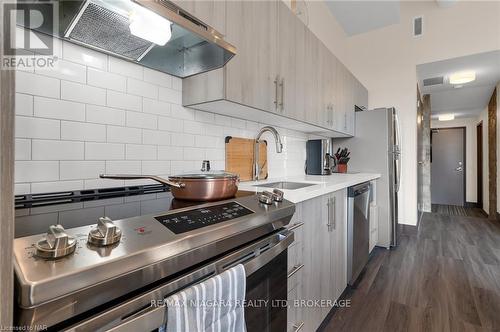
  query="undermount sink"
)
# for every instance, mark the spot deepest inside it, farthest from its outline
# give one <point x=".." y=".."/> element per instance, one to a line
<point x="285" y="185"/>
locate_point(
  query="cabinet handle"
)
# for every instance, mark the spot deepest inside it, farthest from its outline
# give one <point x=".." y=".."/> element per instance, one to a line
<point x="295" y="226"/>
<point x="276" y="80"/>
<point x="282" y="102"/>
<point x="298" y="326"/>
<point x="329" y="223"/>
<point x="295" y="269"/>
<point x="334" y="212"/>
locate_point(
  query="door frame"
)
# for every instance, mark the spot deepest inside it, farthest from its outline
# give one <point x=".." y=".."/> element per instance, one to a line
<point x="479" y="163"/>
<point x="464" y="138"/>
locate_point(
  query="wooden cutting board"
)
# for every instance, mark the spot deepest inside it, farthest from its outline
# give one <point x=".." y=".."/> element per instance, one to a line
<point x="239" y="157"/>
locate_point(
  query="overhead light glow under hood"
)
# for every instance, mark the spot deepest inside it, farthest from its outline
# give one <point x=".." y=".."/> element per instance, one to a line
<point x="149" y="26"/>
<point x="462" y="77"/>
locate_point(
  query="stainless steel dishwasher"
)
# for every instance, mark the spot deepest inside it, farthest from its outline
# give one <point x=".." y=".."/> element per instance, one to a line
<point x="358" y="229"/>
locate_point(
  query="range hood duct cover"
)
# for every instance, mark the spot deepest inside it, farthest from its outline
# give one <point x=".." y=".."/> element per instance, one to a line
<point x="109" y="31"/>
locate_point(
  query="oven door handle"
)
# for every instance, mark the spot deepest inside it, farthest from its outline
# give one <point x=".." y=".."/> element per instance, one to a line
<point x="151" y="319"/>
<point x="146" y="314"/>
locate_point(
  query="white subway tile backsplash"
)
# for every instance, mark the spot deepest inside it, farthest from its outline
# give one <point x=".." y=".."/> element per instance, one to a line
<point x="170" y="153"/>
<point x="181" y="112"/>
<point x="155" y="107"/>
<point x="214" y="154"/>
<point x="141" y="152"/>
<point x="170" y="95"/>
<point x="83" y="93"/>
<point x="106" y="80"/>
<point x="177" y="83"/>
<point x="123" y="167"/>
<point x="24" y="104"/>
<point x="153" y="167"/>
<point x="23" y="149"/>
<point x="65" y="70"/>
<point x="36" y="171"/>
<point x="193" y="127"/>
<point x="55" y="186"/>
<point x="194" y="154"/>
<point x="141" y="88"/>
<point x="170" y="124"/>
<point x="183" y="140"/>
<point x="204" y="117"/>
<point x="57" y="150"/>
<point x="84" y="56"/>
<point x="141" y="120"/>
<point x="126" y="68"/>
<point x="104" y="151"/>
<point x="155" y="137"/>
<point x="105" y="115"/>
<point x="158" y="78"/>
<point x="100" y="114"/>
<point x="80" y="131"/>
<point x="82" y="169"/>
<point x="59" y="109"/>
<point x="37" y="84"/>
<point x="124" y="135"/>
<point x="205" y="141"/>
<point x="22" y="188"/>
<point x="124" y="101"/>
<point x="28" y="127"/>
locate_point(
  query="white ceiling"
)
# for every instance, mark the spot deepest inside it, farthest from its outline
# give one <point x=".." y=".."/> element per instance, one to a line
<point x="473" y="97"/>
<point x="357" y="17"/>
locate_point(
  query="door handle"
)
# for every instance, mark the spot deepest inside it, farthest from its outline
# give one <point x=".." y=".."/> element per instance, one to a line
<point x="276" y="82"/>
<point x="329" y="205"/>
<point x="334" y="199"/>
<point x="458" y="169"/>
<point x="282" y="102"/>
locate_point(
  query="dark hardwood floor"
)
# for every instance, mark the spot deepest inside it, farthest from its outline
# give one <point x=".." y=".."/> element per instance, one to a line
<point x="445" y="278"/>
<point x="454" y="210"/>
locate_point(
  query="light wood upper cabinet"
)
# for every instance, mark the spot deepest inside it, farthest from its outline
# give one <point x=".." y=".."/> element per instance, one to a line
<point x="251" y="74"/>
<point x="281" y="69"/>
<point x="287" y="73"/>
<point x="211" y="12"/>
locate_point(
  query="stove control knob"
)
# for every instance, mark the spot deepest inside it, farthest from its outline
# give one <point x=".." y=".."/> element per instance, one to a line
<point x="57" y="243"/>
<point x="105" y="234"/>
<point x="266" y="198"/>
<point x="278" y="195"/>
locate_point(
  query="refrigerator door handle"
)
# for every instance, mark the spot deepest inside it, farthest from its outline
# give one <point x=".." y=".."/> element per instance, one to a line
<point x="397" y="150"/>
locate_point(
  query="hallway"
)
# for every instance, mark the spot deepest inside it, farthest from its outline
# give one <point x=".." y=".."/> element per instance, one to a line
<point x="445" y="278"/>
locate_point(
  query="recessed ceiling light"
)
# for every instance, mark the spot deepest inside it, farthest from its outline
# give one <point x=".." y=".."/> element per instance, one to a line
<point x="462" y="77"/>
<point x="446" y="117"/>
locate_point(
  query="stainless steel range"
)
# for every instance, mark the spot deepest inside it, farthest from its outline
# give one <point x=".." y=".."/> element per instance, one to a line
<point x="105" y="275"/>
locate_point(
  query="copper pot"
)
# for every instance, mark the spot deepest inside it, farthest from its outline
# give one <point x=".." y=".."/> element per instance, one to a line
<point x="205" y="186"/>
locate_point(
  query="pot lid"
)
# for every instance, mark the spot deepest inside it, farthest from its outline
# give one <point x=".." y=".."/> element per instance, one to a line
<point x="205" y="175"/>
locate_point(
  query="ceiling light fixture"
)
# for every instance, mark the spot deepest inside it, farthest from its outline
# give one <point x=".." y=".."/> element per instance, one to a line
<point x="149" y="26"/>
<point x="446" y="117"/>
<point x="462" y="77"/>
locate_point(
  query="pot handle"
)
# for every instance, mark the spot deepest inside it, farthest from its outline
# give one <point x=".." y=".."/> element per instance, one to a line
<point x="136" y="177"/>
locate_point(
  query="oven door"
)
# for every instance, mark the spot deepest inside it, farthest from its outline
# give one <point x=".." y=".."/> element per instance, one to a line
<point x="265" y="263"/>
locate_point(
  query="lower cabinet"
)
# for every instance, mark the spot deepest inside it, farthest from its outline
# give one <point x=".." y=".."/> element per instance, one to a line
<point x="317" y="260"/>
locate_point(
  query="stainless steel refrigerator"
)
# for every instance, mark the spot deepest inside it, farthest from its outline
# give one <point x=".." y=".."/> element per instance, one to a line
<point x="375" y="148"/>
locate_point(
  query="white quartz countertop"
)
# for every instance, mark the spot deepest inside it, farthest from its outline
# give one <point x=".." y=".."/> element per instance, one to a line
<point x="322" y="185"/>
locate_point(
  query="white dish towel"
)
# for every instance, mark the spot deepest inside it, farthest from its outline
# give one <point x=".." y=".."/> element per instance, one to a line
<point x="214" y="305"/>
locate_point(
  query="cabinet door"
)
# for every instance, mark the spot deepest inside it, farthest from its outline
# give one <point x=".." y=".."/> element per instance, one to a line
<point x="286" y="60"/>
<point x="313" y="103"/>
<point x="326" y="86"/>
<point x="340" y="76"/>
<point x="339" y="242"/>
<point x="317" y="259"/>
<point x="301" y="88"/>
<point x="211" y="12"/>
<point x="251" y="26"/>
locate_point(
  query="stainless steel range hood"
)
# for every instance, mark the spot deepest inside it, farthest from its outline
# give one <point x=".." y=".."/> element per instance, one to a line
<point x="193" y="47"/>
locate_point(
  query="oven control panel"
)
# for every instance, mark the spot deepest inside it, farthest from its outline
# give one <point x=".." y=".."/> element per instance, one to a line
<point x="186" y="221"/>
